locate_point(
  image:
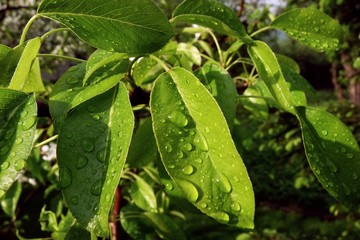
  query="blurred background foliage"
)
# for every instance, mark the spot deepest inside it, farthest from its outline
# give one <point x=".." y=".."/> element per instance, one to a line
<point x="291" y="204"/>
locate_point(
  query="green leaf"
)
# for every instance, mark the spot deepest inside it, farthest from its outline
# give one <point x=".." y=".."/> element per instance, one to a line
<point x="333" y="154"/>
<point x="9" y="59"/>
<point x="311" y="27"/>
<point x="33" y="82"/>
<point x="188" y="124"/>
<point x="69" y="91"/>
<point x="9" y="203"/>
<point x="92" y="147"/>
<point x="143" y="195"/>
<point x="4" y="50"/>
<point x="221" y="86"/>
<point x="76" y="231"/>
<point x="129" y="26"/>
<point x="190" y="53"/>
<point x="288" y="63"/>
<point x="145" y="71"/>
<point x="165" y="226"/>
<point x="211" y="14"/>
<point x="143" y="149"/>
<point x="270" y="72"/>
<point x="253" y="100"/>
<point x="48" y="221"/>
<point x="18" y="113"/>
<point x="24" y="66"/>
<point x="135" y="224"/>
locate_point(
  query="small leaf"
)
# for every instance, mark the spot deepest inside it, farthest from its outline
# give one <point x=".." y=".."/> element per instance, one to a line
<point x="187" y="124"/>
<point x="129" y="26"/>
<point x="190" y="53"/>
<point x="134" y="223"/>
<point x="18" y="113"/>
<point x="9" y="203"/>
<point x="311" y="27"/>
<point x="9" y="59"/>
<point x="92" y="148"/>
<point x="69" y="91"/>
<point x="221" y="86"/>
<point x="33" y="82"/>
<point x="288" y="63"/>
<point x="165" y="226"/>
<point x="28" y="56"/>
<point x="211" y="14"/>
<point x="145" y="71"/>
<point x="333" y="154"/>
<point x="143" y="149"/>
<point x="143" y="195"/>
<point x="270" y="72"/>
<point x="253" y="100"/>
<point x="48" y="221"/>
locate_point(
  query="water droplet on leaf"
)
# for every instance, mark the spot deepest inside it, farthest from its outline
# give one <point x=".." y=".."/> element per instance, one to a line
<point x="87" y="145"/>
<point x="65" y="177"/>
<point x="28" y="123"/>
<point x="81" y="162"/>
<point x="96" y="188"/>
<point x="4" y="166"/>
<point x="189" y="190"/>
<point x="188" y="169"/>
<point x="178" y="119"/>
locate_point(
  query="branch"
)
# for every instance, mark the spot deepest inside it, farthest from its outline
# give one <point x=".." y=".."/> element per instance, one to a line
<point x="241" y="8"/>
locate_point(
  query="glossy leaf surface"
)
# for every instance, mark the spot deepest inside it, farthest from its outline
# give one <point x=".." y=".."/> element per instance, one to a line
<point x="69" y="91"/>
<point x="311" y="27"/>
<point x="270" y="72"/>
<point x="333" y="154"/>
<point x="18" y="113"/>
<point x="211" y="14"/>
<point x="28" y="56"/>
<point x="129" y="26"/>
<point x="187" y="124"/>
<point x="92" y="147"/>
<point x="221" y="86"/>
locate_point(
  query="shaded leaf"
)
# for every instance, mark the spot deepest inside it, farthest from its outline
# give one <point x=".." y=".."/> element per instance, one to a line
<point x="9" y="202"/>
<point x="129" y="26"/>
<point x="333" y="154"/>
<point x="221" y="86"/>
<point x="311" y="27"/>
<point x="211" y="14"/>
<point x="77" y="232"/>
<point x="143" y="194"/>
<point x="187" y="124"/>
<point x="134" y="224"/>
<point x="286" y="62"/>
<point x="253" y="100"/>
<point x="18" y="113"/>
<point x="92" y="148"/>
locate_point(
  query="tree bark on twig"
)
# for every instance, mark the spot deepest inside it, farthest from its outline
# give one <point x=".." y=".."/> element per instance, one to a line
<point x="241" y="8"/>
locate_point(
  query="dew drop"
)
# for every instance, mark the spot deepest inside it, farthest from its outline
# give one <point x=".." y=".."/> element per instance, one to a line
<point x="74" y="200"/>
<point x="199" y="160"/>
<point x="168" y="148"/>
<point x="349" y="155"/>
<point x="100" y="155"/>
<point x="200" y="142"/>
<point x="324" y="132"/>
<point x="189" y="189"/>
<point x="188" y="170"/>
<point x="96" y="188"/>
<point x="4" y="166"/>
<point x="203" y="205"/>
<point x="355" y="176"/>
<point x="171" y="166"/>
<point x="18" y="140"/>
<point x="20" y="164"/>
<point x="96" y="117"/>
<point x="236" y="206"/>
<point x="180" y="154"/>
<point x="169" y="186"/>
<point x="65" y="177"/>
<point x="81" y="162"/>
<point x="188" y="147"/>
<point x="224" y="183"/>
<point x="96" y="209"/>
<point x="236" y="179"/>
<point x="28" y="123"/>
<point x="4" y="150"/>
<point x="10" y="133"/>
<point x="331" y="165"/>
<point x="72" y="80"/>
<point x="178" y="119"/>
<point x="87" y="145"/>
<point x="220" y="216"/>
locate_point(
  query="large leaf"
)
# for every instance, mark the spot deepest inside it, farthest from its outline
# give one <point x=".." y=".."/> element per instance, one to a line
<point x="17" y="130"/>
<point x="197" y="150"/>
<point x="70" y="91"/>
<point x="270" y="72"/>
<point x="92" y="147"/>
<point x="333" y="154"/>
<point x="311" y="27"/>
<point x="212" y="14"/>
<point x="28" y="56"/>
<point x="221" y="86"/>
<point x="130" y="26"/>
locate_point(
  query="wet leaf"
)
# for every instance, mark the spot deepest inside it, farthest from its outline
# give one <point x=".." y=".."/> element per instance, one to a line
<point x="92" y="148"/>
<point x="187" y="124"/>
<point x="221" y="86"/>
<point x="211" y="14"/>
<point x="333" y="154"/>
<point x="18" y="113"/>
<point x="270" y="72"/>
<point x="129" y="26"/>
<point x="311" y="27"/>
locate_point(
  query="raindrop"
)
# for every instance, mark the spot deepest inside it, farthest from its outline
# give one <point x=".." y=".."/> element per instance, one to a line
<point x="171" y="166"/>
<point x="223" y="182"/>
<point x="96" y="188"/>
<point x="169" y="186"/>
<point x="87" y="145"/>
<point x="188" y="147"/>
<point x="96" y="209"/>
<point x="220" y="216"/>
<point x="180" y="154"/>
<point x="20" y="164"/>
<point x="10" y="133"/>
<point x="65" y="177"/>
<point x="200" y="142"/>
<point x="324" y="132"/>
<point x="203" y="205"/>
<point x="188" y="169"/>
<point x="349" y="155"/>
<point x="18" y="140"/>
<point x="72" y="81"/>
<point x="331" y="165"/>
<point x="236" y="179"/>
<point x="96" y="117"/>
<point x="100" y="155"/>
<point x="236" y="206"/>
<point x="168" y="147"/>
<point x="179" y="119"/>
<point x="189" y="189"/>
<point x="75" y="200"/>
<point x="4" y="166"/>
<point x="28" y="123"/>
<point x="4" y="150"/>
<point x="81" y="162"/>
<point x="199" y="160"/>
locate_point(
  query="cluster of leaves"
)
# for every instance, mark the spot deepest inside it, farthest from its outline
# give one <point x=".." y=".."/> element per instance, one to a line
<point x="187" y="144"/>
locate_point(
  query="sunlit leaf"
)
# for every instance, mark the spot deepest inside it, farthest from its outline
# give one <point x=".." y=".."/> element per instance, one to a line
<point x="92" y="147"/>
<point x="187" y="124"/>
<point x="311" y="27"/>
<point x="333" y="154"/>
<point x="18" y="113"/>
<point x="143" y="194"/>
<point x="253" y="100"/>
<point x="129" y="26"/>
